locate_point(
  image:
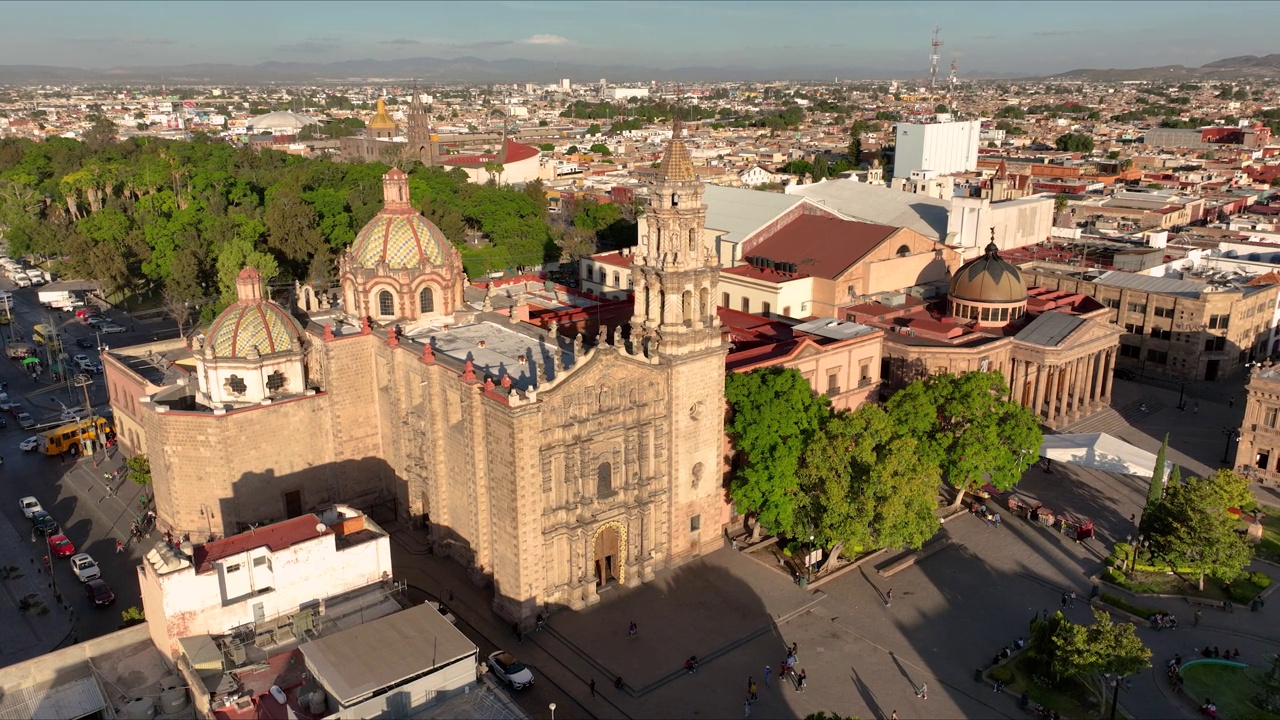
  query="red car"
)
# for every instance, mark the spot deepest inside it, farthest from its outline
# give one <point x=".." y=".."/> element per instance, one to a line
<point x="99" y="592"/>
<point x="60" y="546"/>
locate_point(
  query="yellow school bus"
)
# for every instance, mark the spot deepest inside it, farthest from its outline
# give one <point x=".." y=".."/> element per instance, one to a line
<point x="42" y="334"/>
<point x="60" y="439"/>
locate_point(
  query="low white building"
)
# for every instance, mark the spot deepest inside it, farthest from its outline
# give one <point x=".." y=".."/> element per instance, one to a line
<point x="755" y="176"/>
<point x="255" y="577"/>
<point x="619" y="93"/>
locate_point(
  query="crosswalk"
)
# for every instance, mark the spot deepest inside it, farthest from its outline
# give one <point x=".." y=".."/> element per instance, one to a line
<point x="1115" y="419"/>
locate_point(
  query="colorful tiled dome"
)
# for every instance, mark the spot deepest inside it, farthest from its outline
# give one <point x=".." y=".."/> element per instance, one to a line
<point x="399" y="235"/>
<point x="253" y="326"/>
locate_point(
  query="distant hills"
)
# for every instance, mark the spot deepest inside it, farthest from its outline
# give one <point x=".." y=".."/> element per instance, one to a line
<point x="473" y="69"/>
<point x="1233" y="68"/>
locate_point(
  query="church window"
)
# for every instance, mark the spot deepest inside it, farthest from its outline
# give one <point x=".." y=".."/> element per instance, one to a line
<point x="276" y="381"/>
<point x="686" y="306"/>
<point x="386" y="304"/>
<point x="236" y="385"/>
<point x="695" y="523"/>
<point x="904" y="251"/>
<point x="426" y="300"/>
<point x="693" y="239"/>
<point x="675" y="199"/>
<point x="604" y="480"/>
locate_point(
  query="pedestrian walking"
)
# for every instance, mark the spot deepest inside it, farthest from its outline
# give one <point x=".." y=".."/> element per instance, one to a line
<point x="801" y="680"/>
<point x="632" y="629"/>
<point x="888" y="597"/>
<point x="768" y="673"/>
<point x="1072" y="601"/>
<point x="1231" y="401"/>
<point x="893" y="715"/>
<point x="746" y="708"/>
<point x="1063" y="601"/>
<point x="1196" y="407"/>
<point x="617" y="683"/>
<point x="592" y="685"/>
<point x="753" y="689"/>
<point x="996" y="520"/>
<point x="119" y="547"/>
<point x="922" y="692"/>
<point x="1195" y="622"/>
<point x="795" y="653"/>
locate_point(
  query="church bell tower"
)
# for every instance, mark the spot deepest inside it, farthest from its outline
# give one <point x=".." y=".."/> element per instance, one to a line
<point x="674" y="271"/>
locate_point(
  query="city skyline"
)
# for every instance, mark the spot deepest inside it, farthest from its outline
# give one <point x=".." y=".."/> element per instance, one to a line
<point x="864" y="38"/>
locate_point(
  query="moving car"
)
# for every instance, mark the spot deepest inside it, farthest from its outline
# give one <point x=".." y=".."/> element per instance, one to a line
<point x="44" y="523"/>
<point x="26" y="421"/>
<point x="109" y="328"/>
<point x="85" y="342"/>
<point x="85" y="567"/>
<point x="30" y="506"/>
<point x="60" y="546"/>
<point x="29" y="444"/>
<point x="99" y="592"/>
<point x="512" y="671"/>
<point x="90" y="366"/>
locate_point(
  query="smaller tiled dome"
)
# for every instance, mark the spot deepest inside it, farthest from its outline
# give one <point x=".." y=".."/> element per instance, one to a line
<point x="399" y="235"/>
<point x="988" y="279"/>
<point x="252" y="326"/>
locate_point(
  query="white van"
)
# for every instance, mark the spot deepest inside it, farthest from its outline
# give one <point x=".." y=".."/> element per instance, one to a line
<point x="35" y="276"/>
<point x="21" y="281"/>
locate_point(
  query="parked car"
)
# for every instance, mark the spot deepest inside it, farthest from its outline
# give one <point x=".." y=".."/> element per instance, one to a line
<point x="44" y="523"/>
<point x="99" y="592"/>
<point x="25" y="421"/>
<point x="60" y="546"/>
<point x="440" y="608"/>
<point x="85" y="567"/>
<point x="110" y="328"/>
<point x="16" y="409"/>
<point x="512" y="671"/>
<point x="94" y="321"/>
<point x="85" y="342"/>
<point x="85" y="312"/>
<point x="29" y="444"/>
<point x="30" y="506"/>
<point x="73" y="414"/>
<point x="5" y="402"/>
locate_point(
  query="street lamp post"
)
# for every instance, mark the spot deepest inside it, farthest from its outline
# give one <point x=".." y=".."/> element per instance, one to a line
<point x="808" y="560"/>
<point x="1232" y="435"/>
<point x="1115" y="696"/>
<point x="553" y="711"/>
<point x="1182" y="395"/>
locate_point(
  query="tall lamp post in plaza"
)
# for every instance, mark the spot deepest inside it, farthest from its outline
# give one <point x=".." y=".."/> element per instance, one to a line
<point x="1182" y="395"/>
<point x="1115" y="693"/>
<point x="1233" y="435"/>
<point x="552" y="706"/>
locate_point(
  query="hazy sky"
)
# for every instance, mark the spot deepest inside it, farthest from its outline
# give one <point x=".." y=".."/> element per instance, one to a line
<point x="1015" y="37"/>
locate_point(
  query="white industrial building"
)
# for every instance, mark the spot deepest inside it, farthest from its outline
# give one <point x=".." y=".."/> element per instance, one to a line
<point x="621" y="93"/>
<point x="940" y="147"/>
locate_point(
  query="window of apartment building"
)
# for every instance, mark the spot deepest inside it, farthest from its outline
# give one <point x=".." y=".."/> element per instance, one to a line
<point x="864" y="373"/>
<point x="695" y="523"/>
<point x="1264" y="459"/>
<point x="786" y="311"/>
<point x="1215" y="344"/>
<point x="765" y="308"/>
<point x="1160" y="333"/>
<point x="1130" y="351"/>
<point x="1164" y="312"/>
<point x="1137" y="307"/>
<point x="1135" y="328"/>
<point x="1111" y="302"/>
<point x="1157" y="356"/>
<point x="724" y="300"/>
<point x="1218" y="322"/>
<point x="746" y="305"/>
<point x="616" y="283"/>
<point x="1270" y="416"/>
<point x="833" y="382"/>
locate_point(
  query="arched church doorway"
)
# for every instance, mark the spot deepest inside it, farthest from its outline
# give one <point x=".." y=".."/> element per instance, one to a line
<point x="608" y="556"/>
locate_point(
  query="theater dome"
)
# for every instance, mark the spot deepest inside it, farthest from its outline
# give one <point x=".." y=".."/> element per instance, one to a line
<point x="988" y="279"/>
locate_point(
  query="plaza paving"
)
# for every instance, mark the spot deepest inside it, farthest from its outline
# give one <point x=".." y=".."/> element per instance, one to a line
<point x="950" y="613"/>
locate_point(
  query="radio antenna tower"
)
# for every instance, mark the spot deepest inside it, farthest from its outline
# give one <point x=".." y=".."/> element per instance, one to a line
<point x="952" y="78"/>
<point x="933" y="59"/>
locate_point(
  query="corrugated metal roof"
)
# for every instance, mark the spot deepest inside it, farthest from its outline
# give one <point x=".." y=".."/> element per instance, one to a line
<point x="739" y="212"/>
<point x="832" y="328"/>
<point x="1050" y="329"/>
<point x="384" y="652"/>
<point x="1147" y="283"/>
<point x="69" y="699"/>
<point x="879" y="204"/>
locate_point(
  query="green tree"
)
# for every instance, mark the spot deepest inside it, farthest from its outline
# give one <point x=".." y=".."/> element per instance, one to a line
<point x="292" y="230"/>
<point x="1074" y="142"/>
<point x="866" y="486"/>
<point x="547" y="147"/>
<point x="1060" y="202"/>
<point x="773" y="415"/>
<point x="820" y="168"/>
<point x="593" y="129"/>
<point x="236" y="255"/>
<point x="1090" y="652"/>
<point x="1190" y="526"/>
<point x="139" y="468"/>
<point x="940" y="108"/>
<point x="600" y="149"/>
<point x="1155" y="490"/>
<point x="969" y="425"/>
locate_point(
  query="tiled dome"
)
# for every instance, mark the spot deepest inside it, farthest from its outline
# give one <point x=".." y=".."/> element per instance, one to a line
<point x="988" y="279"/>
<point x="253" y="326"/>
<point x="398" y="235"/>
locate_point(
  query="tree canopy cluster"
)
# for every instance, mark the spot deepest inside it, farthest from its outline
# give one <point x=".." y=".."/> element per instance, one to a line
<point x="1074" y="142"/>
<point x="185" y="217"/>
<point x="1189" y="525"/>
<point x="1064" y="653"/>
<point x="869" y="479"/>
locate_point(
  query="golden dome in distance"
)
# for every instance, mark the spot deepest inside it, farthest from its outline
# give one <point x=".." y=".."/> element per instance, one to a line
<point x="988" y="279"/>
<point x="381" y="119"/>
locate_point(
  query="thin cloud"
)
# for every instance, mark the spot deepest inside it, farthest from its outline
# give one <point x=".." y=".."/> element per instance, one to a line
<point x="1055" y="33"/>
<point x="546" y="40"/>
<point x="402" y="41"/>
<point x="312" y="45"/>
<point x="152" y="41"/>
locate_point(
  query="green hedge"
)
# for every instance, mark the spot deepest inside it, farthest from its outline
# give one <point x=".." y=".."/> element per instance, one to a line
<point x="1261" y="579"/>
<point x="1125" y="605"/>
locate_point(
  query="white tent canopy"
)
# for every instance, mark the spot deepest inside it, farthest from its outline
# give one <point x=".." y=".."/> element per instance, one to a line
<point x="1100" y="451"/>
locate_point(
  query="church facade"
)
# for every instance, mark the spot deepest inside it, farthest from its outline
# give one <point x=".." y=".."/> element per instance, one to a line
<point x="553" y="467"/>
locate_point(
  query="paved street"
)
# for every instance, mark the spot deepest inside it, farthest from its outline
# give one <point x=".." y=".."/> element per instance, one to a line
<point x="73" y="492"/>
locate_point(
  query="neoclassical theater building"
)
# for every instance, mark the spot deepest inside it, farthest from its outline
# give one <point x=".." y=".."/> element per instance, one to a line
<point x="553" y="465"/>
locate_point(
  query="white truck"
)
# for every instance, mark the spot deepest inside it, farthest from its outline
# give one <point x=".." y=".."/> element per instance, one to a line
<point x="61" y="299"/>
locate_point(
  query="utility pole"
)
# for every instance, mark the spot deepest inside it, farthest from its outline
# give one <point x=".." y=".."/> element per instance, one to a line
<point x="933" y="59"/>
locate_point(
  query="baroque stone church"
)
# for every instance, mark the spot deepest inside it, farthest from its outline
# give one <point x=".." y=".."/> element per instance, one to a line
<point x="551" y="466"/>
